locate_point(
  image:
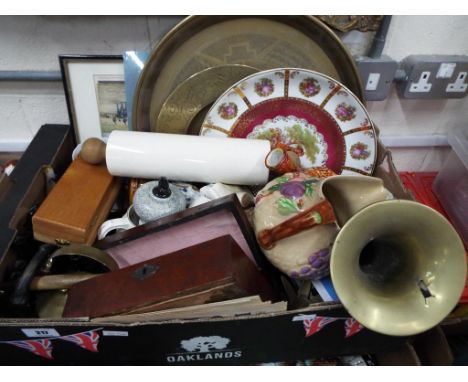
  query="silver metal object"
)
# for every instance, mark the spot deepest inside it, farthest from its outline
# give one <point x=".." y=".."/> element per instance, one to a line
<point x="20" y="75"/>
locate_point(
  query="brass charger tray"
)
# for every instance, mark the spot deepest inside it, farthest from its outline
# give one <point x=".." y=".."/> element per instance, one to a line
<point x="263" y="42"/>
<point x="194" y="96"/>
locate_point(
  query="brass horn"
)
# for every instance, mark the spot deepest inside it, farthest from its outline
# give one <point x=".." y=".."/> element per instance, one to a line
<point x="398" y="267"/>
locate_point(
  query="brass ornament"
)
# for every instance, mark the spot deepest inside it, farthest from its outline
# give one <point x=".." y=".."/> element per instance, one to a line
<point x="178" y="113"/>
<point x="82" y="251"/>
<point x="51" y="303"/>
<point x="54" y="282"/>
<point x="398" y="267"/>
<point x="52" y="290"/>
<point x="344" y="23"/>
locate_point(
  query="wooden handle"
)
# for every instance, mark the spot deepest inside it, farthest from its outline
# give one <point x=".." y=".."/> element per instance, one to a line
<point x="321" y="213"/>
<point x="93" y="151"/>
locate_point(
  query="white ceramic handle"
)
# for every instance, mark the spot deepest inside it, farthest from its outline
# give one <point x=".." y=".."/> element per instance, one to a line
<point x="200" y="200"/>
<point x="218" y="190"/>
<point x="110" y="225"/>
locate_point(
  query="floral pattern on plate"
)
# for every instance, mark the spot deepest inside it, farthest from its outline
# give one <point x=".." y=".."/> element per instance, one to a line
<point x="227" y="110"/>
<point x="295" y="134"/>
<point x="345" y="112"/>
<point x="359" y="151"/>
<point x="264" y="87"/>
<point x="309" y="87"/>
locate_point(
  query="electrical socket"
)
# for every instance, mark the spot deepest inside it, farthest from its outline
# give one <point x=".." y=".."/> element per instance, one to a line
<point x="459" y="85"/>
<point x="376" y="76"/>
<point x="423" y="85"/>
<point x="434" y="77"/>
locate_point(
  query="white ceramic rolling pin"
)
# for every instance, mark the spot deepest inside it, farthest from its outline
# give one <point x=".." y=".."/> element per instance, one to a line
<point x="187" y="157"/>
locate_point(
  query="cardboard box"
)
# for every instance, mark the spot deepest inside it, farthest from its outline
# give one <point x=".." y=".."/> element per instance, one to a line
<point x="247" y="339"/>
<point x="430" y="348"/>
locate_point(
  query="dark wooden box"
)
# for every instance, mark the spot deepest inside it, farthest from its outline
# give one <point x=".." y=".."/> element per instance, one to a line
<point x="212" y="271"/>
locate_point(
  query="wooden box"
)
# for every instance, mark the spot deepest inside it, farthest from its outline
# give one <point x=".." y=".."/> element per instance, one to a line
<point x="77" y="205"/>
<point x="219" y="217"/>
<point x="216" y="270"/>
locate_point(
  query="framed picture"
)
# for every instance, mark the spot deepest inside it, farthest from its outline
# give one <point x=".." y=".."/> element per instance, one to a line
<point x="95" y="94"/>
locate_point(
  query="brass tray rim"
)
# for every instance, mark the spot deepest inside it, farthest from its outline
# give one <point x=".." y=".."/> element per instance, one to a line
<point x="168" y="40"/>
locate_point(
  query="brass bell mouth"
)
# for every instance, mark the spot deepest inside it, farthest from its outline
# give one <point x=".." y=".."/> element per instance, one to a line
<point x="398" y="267"/>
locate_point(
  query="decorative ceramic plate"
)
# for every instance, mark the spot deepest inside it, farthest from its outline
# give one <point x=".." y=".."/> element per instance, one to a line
<point x="263" y="42"/>
<point x="308" y="112"/>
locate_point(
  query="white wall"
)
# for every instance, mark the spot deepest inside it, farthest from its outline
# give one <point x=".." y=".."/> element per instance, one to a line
<point x="397" y="116"/>
<point x="33" y="43"/>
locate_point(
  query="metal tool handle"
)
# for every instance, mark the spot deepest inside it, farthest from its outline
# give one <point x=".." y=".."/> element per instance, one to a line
<point x="20" y="295"/>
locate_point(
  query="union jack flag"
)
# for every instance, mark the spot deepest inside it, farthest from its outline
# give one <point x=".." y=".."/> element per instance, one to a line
<point x="42" y="348"/>
<point x="87" y="340"/>
<point x="352" y="327"/>
<point x="316" y="324"/>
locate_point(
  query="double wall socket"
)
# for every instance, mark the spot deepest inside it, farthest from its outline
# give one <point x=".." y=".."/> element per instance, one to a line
<point x="434" y="77"/>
